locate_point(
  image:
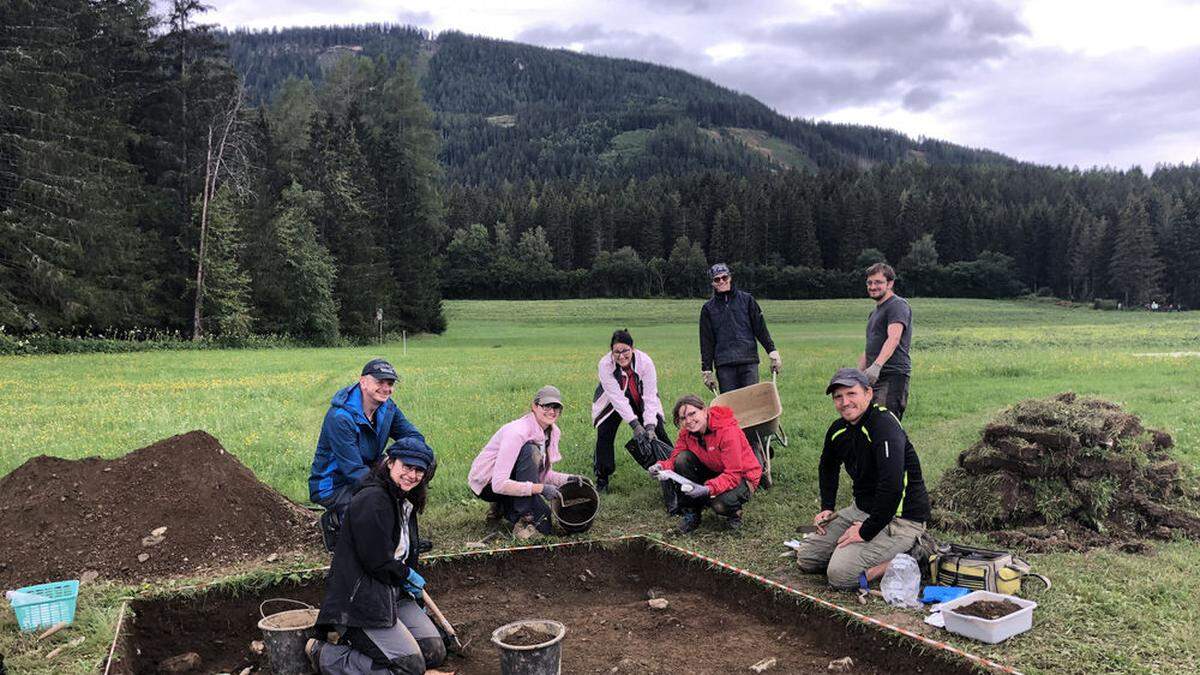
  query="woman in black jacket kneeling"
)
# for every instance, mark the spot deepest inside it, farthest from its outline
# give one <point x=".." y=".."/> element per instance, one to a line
<point x="373" y="586"/>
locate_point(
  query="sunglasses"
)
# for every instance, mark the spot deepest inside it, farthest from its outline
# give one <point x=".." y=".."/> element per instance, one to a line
<point x="557" y="407"/>
<point x="723" y="277"/>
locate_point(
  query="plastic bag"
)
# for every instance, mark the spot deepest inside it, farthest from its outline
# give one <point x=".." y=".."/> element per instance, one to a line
<point x="901" y="584"/>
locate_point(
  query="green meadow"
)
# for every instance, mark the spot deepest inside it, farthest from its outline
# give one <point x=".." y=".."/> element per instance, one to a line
<point x="1107" y="611"/>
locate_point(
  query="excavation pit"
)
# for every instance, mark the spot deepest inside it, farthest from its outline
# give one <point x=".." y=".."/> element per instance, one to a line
<point x="716" y="620"/>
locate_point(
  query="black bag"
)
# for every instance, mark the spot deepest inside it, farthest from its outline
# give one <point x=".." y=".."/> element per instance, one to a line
<point x="648" y="452"/>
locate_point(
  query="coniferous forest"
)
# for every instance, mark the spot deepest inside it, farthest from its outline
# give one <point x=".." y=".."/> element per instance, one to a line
<point x="160" y="175"/>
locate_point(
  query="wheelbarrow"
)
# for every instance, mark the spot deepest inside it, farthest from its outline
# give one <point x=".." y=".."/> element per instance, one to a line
<point x="758" y="409"/>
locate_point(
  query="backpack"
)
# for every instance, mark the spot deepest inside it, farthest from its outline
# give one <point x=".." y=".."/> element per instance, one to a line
<point x="980" y="569"/>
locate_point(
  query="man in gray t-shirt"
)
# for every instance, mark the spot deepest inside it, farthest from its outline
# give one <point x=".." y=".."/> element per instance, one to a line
<point x="889" y="333"/>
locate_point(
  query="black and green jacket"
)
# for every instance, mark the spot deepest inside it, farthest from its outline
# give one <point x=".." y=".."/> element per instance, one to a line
<point x="883" y="467"/>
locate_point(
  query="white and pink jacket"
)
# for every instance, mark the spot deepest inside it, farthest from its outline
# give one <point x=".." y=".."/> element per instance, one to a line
<point x="495" y="462"/>
<point x="610" y="395"/>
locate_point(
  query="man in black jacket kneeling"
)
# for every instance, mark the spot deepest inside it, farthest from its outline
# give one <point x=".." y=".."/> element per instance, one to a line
<point x="855" y="545"/>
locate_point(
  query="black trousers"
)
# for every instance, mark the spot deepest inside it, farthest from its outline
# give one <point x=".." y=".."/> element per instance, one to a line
<point x="727" y="504"/>
<point x="891" y="392"/>
<point x="335" y="509"/>
<point x="516" y="508"/>
<point x="604" y="461"/>
<point x="736" y="377"/>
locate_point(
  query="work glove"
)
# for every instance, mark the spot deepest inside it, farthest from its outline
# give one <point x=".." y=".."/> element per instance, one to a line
<point x="654" y="471"/>
<point x="776" y="362"/>
<point x="709" y="380"/>
<point x="550" y="491"/>
<point x="414" y="584"/>
<point x="639" y="431"/>
<point x="696" y="491"/>
<point x="650" y="428"/>
<point x="872" y="373"/>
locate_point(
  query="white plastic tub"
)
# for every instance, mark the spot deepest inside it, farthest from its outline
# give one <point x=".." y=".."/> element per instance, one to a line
<point x="988" y="630"/>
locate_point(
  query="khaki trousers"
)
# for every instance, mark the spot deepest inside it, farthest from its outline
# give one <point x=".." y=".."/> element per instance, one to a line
<point x="819" y="552"/>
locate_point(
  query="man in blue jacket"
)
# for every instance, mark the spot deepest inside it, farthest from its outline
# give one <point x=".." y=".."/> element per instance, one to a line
<point x="731" y="322"/>
<point x="361" y="419"/>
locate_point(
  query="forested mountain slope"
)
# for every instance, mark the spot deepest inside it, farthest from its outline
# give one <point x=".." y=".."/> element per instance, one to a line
<point x="510" y="111"/>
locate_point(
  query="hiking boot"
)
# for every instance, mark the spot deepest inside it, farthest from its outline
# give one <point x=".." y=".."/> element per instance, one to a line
<point x="601" y="484"/>
<point x="312" y="649"/>
<point x="493" y="514"/>
<point x="735" y="521"/>
<point x="523" y="531"/>
<point x="690" y="521"/>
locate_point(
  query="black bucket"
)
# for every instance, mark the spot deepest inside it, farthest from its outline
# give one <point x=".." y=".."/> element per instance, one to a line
<point x="576" y="507"/>
<point x="543" y="658"/>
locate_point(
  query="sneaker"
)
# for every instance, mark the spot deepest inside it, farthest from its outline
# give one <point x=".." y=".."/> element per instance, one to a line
<point x="312" y="649"/>
<point x="690" y="521"/>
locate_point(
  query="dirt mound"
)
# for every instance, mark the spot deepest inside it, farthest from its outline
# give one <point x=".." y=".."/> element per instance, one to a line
<point x="1071" y="473"/>
<point x="59" y="518"/>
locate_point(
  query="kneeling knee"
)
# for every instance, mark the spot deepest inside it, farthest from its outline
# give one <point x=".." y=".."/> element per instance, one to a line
<point x="434" y="651"/>
<point x="844" y="578"/>
<point x="410" y="664"/>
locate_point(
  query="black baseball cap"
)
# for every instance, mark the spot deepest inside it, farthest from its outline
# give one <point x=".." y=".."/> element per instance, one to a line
<point x="380" y="369"/>
<point x="847" y="377"/>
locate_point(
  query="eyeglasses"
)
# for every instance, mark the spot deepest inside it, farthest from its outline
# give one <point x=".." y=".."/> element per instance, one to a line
<point x="877" y="283"/>
<point x="723" y="277"/>
<point x="556" y="407"/>
<point x="622" y="352"/>
<point x="409" y="468"/>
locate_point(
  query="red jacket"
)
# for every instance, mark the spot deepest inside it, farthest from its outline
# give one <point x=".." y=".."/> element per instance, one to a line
<point x="725" y="451"/>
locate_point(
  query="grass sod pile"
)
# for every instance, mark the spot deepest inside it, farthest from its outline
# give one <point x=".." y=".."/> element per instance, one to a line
<point x="1068" y="472"/>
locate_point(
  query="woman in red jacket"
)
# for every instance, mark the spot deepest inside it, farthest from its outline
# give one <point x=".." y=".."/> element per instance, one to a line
<point x="712" y="453"/>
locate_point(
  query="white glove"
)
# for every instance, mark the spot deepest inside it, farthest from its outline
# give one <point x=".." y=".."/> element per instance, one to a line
<point x="654" y="470"/>
<point x="709" y="380"/>
<point x="872" y="373"/>
<point x="776" y="362"/>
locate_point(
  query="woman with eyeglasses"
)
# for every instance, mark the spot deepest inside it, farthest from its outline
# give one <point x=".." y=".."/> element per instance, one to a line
<point x="373" y="587"/>
<point x="714" y="458"/>
<point x="514" y="471"/>
<point x="627" y="392"/>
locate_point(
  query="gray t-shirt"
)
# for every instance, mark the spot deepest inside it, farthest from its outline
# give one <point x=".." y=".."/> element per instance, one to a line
<point x="894" y="310"/>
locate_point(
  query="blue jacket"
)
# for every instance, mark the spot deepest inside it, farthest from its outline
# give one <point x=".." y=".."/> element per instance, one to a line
<point x="349" y="443"/>
<point x="729" y="325"/>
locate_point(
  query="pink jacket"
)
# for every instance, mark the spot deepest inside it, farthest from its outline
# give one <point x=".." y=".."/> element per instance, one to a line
<point x="495" y="462"/>
<point x="610" y="395"/>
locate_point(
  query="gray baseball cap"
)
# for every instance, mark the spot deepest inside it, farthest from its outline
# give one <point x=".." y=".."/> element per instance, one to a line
<point x="548" y="394"/>
<point x="717" y="270"/>
<point x="847" y="377"/>
<point x="380" y="369"/>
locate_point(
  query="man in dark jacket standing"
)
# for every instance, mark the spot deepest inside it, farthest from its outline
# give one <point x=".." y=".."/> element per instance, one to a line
<point x="360" y="420"/>
<point x="856" y="544"/>
<point x="730" y="324"/>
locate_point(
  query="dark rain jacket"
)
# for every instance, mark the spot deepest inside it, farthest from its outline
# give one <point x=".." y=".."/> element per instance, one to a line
<point x="729" y="325"/>
<point x="883" y="466"/>
<point x="365" y="577"/>
<point x="349" y="443"/>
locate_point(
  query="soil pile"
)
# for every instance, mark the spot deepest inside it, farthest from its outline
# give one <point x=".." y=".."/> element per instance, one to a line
<point x="1068" y="473"/>
<point x="59" y="517"/>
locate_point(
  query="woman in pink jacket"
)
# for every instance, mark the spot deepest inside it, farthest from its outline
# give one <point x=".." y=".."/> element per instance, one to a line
<point x="514" y="471"/>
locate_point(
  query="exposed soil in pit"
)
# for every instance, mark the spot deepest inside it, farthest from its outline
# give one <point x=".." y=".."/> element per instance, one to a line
<point x="60" y="517"/>
<point x="715" y="623"/>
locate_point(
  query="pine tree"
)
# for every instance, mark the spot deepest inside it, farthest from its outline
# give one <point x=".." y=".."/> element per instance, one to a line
<point x="304" y="275"/>
<point x="227" y="303"/>
<point x="1135" y="269"/>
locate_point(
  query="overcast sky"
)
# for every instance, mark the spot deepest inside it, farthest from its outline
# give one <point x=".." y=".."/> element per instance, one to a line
<point x="1070" y="82"/>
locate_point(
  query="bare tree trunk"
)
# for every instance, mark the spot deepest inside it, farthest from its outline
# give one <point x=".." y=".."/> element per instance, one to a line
<point x="212" y="168"/>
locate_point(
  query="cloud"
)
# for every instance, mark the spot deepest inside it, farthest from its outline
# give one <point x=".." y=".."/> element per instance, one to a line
<point x="921" y="98"/>
<point x="595" y="39"/>
<point x="414" y="18"/>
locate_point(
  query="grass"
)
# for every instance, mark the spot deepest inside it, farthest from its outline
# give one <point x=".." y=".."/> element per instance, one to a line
<point x="1107" y="611"/>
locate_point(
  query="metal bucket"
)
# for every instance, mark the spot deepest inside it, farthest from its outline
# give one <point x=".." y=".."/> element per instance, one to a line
<point x="544" y="658"/>
<point x="285" y="634"/>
